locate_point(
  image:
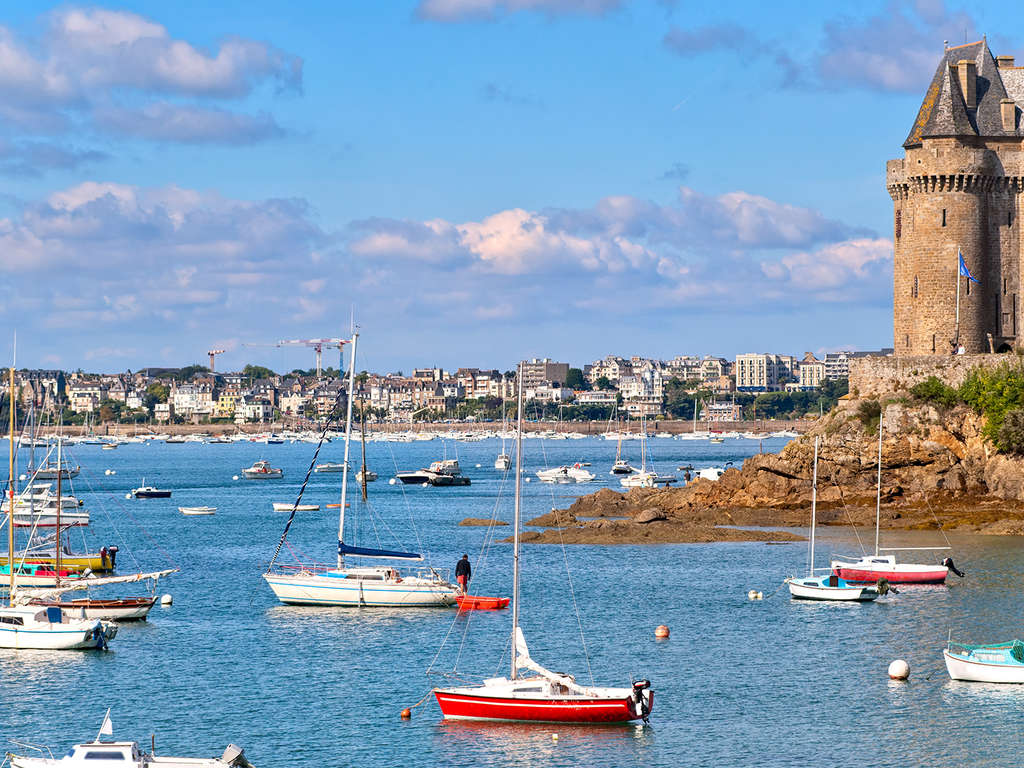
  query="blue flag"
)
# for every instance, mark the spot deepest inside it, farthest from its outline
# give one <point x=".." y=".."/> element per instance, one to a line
<point x="963" y="268"/>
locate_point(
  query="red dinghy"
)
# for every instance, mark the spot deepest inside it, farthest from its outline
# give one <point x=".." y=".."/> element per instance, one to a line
<point x="477" y="603"/>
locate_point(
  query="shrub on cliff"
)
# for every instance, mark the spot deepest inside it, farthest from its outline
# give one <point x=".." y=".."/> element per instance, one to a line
<point x="994" y="393"/>
<point x="1011" y="434"/>
<point x="869" y="412"/>
<point x="935" y="392"/>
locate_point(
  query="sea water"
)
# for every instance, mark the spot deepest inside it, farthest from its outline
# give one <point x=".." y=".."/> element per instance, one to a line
<point x="740" y="682"/>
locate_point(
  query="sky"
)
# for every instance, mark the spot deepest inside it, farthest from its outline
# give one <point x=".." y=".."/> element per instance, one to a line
<point x="473" y="181"/>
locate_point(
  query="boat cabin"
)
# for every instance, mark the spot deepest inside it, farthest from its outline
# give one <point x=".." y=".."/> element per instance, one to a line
<point x="103" y="754"/>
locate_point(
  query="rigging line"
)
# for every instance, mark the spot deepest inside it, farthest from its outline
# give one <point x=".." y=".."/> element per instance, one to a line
<point x="309" y="472"/>
<point x="936" y="518"/>
<point x="849" y="517"/>
<point x="408" y="508"/>
<point x="133" y="521"/>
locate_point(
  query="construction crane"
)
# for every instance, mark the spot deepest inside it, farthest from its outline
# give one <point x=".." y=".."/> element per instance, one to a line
<point x="213" y="355"/>
<point x="318" y="346"/>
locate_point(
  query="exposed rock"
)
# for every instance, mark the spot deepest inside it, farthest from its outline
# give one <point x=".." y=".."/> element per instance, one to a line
<point x="556" y="517"/>
<point x="650" y="515"/>
<point x="481" y="521"/>
<point x="629" y="532"/>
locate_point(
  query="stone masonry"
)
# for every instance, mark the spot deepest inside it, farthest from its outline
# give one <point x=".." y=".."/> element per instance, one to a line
<point x="959" y="187"/>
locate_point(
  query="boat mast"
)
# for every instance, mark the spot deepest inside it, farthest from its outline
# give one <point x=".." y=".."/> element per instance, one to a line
<point x="515" y="523"/>
<point x="878" y="494"/>
<point x="362" y="442"/>
<point x="348" y="437"/>
<point x="814" y="503"/>
<point x="10" y="494"/>
<point x="59" y="503"/>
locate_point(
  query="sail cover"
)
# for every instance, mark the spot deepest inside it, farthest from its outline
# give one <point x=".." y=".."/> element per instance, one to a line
<point x="346" y="549"/>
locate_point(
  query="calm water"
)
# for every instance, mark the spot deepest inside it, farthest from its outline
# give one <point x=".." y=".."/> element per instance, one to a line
<point x="738" y="683"/>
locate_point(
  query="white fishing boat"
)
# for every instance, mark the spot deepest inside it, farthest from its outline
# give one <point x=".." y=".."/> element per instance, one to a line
<point x="544" y="696"/>
<point x="829" y="586"/>
<point x="365" y="475"/>
<point x="197" y="510"/>
<point x="123" y="754"/>
<point x="329" y="466"/>
<point x="287" y="506"/>
<point x="503" y="462"/>
<point x="373" y="586"/>
<point x="644" y="477"/>
<point x="261" y="470"/>
<point x="150" y="492"/>
<point x="566" y="474"/>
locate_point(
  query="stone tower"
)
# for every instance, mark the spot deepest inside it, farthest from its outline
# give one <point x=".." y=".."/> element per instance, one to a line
<point x="959" y="186"/>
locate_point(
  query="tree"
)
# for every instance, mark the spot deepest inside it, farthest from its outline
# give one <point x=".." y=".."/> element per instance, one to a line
<point x="186" y="373"/>
<point x="574" y="379"/>
<point x="258" y="372"/>
<point x="603" y="383"/>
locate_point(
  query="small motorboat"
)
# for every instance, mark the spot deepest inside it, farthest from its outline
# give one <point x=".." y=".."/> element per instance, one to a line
<point x="830" y="587"/>
<point x="149" y="492"/>
<point x="262" y="470"/>
<point x="122" y="753"/>
<point x="197" y="510"/>
<point x="646" y="479"/>
<point x="566" y="474"/>
<point x="50" y="628"/>
<point x="997" y="663"/>
<point x="368" y="474"/>
<point x="622" y="467"/>
<point x="286" y="506"/>
<point x="478" y="603"/>
<point x="503" y="462"/>
<point x="330" y="466"/>
<point x="440" y="473"/>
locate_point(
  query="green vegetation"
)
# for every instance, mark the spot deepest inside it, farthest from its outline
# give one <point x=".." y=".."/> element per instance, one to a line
<point x="574" y="379"/>
<point x="995" y="392"/>
<point x="1011" y="434"/>
<point x="794" y="405"/>
<point x="935" y="392"/>
<point x="257" y="372"/>
<point x="870" y="413"/>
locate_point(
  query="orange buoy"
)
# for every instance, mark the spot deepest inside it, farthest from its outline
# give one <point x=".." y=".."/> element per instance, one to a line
<point x="661" y="631"/>
<point x="406" y="713"/>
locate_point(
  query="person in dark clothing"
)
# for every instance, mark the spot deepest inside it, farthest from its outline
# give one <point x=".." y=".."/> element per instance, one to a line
<point x="463" y="573"/>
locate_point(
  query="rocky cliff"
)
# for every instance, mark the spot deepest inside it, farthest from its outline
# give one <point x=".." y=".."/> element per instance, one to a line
<point x="937" y="471"/>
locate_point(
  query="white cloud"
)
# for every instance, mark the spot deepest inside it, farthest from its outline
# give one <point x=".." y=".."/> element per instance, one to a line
<point x="470" y="10"/>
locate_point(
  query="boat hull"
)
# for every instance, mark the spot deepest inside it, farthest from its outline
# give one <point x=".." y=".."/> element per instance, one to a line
<point x="960" y="667"/>
<point x="904" y="574"/>
<point x="813" y="589"/>
<point x="581" y="710"/>
<point x="59" y="639"/>
<point x="313" y="589"/>
<point x="120" y="609"/>
<point x="477" y="603"/>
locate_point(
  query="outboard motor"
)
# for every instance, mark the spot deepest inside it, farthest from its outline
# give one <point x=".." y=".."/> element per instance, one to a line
<point x="948" y="562"/>
<point x="112" y="550"/>
<point x="642" y="698"/>
<point x="884" y="587"/>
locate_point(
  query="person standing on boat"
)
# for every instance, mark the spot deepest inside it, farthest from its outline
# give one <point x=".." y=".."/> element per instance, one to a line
<point x="463" y="573"/>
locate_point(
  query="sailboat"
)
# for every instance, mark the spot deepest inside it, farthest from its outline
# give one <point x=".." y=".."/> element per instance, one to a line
<point x="380" y="585"/>
<point x="621" y="465"/>
<point x="544" y="696"/>
<point x="503" y="462"/>
<point x="30" y="626"/>
<point x="643" y="477"/>
<point x="830" y="586"/>
<point x="870" y="568"/>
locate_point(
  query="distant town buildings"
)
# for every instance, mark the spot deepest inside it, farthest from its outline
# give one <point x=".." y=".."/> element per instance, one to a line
<point x="634" y="386"/>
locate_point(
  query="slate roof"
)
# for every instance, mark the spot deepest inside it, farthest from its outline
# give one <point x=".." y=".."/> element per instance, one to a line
<point x="944" y="110"/>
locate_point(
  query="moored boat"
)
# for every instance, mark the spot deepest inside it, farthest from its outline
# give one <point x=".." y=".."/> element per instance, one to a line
<point x="150" y="492"/>
<point x="261" y="470"/>
<point x="124" y="754"/>
<point x="545" y="696"/>
<point x="996" y="663"/>
<point x="287" y="506"/>
<point x="197" y="510"/>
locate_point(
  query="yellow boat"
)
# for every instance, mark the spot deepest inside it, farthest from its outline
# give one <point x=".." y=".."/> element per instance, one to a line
<point x="98" y="562"/>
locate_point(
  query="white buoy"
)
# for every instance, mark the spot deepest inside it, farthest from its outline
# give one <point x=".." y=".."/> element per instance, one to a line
<point x="526" y="479"/>
<point x="106" y="472"/>
<point x="166" y="600"/>
<point x="127" y="495"/>
<point x="113" y="471"/>
<point x="426" y="485"/>
<point x="478" y="466"/>
<point x="234" y="477"/>
<point x="899" y="670"/>
<point x="755" y="595"/>
<point x="391" y="481"/>
<point x="22" y="477"/>
<point x="554" y="737"/>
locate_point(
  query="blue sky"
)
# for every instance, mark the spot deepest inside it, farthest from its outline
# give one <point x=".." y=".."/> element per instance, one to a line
<point x="480" y="180"/>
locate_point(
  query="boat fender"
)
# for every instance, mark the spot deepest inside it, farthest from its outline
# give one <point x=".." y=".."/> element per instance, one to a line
<point x="948" y="562"/>
<point x="883" y="587"/>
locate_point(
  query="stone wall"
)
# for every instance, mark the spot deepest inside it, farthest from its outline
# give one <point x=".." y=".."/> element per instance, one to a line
<point x="874" y="376"/>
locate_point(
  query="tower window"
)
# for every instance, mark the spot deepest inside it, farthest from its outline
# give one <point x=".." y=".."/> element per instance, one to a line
<point x="906" y="340"/>
<point x="933" y="342"/>
<point x="968" y="287"/>
<point x="1009" y="218"/>
<point x="1004" y="286"/>
<point x="913" y="291"/>
<point x="899" y="223"/>
<point x="943" y="217"/>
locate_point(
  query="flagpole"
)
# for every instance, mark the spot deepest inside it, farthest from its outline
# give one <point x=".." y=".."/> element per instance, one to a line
<point x="956" y="332"/>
